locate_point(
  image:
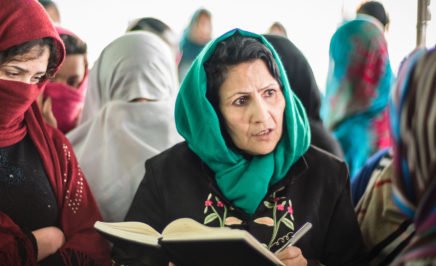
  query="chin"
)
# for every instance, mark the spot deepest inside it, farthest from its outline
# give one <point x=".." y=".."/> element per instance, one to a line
<point x="260" y="150"/>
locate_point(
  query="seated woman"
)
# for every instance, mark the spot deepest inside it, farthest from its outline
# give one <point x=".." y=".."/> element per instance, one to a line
<point x="47" y="211"/>
<point x="357" y="90"/>
<point x="247" y="161"/>
<point x="413" y="121"/>
<point x="67" y="89"/>
<point x="128" y="117"/>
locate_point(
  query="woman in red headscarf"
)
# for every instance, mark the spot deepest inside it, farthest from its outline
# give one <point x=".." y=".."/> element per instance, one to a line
<point x="47" y="211"/>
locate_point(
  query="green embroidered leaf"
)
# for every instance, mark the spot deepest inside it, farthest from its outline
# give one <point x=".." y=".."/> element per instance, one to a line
<point x="283" y="202"/>
<point x="210" y="218"/>
<point x="268" y="204"/>
<point x="205" y="210"/>
<point x="289" y="224"/>
<point x="209" y="196"/>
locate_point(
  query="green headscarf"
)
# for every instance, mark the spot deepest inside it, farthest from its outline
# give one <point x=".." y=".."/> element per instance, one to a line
<point x="243" y="181"/>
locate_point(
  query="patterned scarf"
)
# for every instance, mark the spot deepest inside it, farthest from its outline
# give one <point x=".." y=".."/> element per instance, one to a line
<point x="358" y="86"/>
<point x="413" y="115"/>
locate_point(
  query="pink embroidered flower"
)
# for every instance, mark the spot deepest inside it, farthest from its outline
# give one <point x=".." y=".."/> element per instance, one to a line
<point x="290" y="210"/>
<point x="219" y="204"/>
<point x="281" y="207"/>
<point x="208" y="203"/>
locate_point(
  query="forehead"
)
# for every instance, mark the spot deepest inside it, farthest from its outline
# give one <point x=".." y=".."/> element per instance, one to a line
<point x="252" y="74"/>
<point x="76" y="61"/>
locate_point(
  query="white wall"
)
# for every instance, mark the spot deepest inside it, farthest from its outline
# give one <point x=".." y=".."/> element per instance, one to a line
<point x="310" y="23"/>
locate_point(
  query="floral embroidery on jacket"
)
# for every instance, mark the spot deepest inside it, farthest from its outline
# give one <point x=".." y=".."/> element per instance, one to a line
<point x="212" y="212"/>
<point x="282" y="214"/>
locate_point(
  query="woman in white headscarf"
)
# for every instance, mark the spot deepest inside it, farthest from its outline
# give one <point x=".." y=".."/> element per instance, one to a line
<point x="128" y="117"/>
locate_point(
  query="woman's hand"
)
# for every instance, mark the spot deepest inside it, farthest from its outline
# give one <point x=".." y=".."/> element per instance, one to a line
<point x="49" y="240"/>
<point x="45" y="106"/>
<point x="292" y="256"/>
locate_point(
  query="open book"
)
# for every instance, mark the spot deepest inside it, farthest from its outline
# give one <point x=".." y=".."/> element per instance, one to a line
<point x="187" y="242"/>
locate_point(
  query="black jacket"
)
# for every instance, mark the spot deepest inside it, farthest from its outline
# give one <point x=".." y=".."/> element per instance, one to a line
<point x="178" y="184"/>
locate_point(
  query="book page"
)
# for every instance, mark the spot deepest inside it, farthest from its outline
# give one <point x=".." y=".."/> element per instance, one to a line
<point x="187" y="227"/>
<point x="133" y="231"/>
<point x="190" y="232"/>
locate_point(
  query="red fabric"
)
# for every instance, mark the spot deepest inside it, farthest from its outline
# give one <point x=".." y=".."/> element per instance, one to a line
<point x="67" y="102"/>
<point x="22" y="21"/>
<point x="15" y="99"/>
<point x="78" y="209"/>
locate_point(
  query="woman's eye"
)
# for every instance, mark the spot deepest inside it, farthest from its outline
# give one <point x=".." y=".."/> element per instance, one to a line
<point x="12" y="74"/>
<point x="269" y="92"/>
<point x="37" y="78"/>
<point x="241" y="101"/>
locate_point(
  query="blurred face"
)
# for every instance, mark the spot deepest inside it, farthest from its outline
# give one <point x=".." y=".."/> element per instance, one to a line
<point x="28" y="68"/>
<point x="252" y="104"/>
<point x="72" y="71"/>
<point x="202" y="30"/>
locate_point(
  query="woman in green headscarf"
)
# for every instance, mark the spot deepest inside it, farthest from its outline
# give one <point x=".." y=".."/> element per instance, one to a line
<point x="247" y="161"/>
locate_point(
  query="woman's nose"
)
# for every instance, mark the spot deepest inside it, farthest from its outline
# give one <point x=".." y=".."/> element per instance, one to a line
<point x="259" y="111"/>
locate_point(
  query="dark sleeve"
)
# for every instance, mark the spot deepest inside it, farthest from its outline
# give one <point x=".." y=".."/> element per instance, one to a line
<point x="147" y="207"/>
<point x="361" y="179"/>
<point x="344" y="243"/>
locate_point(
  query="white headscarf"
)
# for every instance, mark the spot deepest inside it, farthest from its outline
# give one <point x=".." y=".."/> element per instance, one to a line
<point x="115" y="136"/>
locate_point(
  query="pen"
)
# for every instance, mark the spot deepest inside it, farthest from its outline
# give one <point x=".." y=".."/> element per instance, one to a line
<point x="296" y="236"/>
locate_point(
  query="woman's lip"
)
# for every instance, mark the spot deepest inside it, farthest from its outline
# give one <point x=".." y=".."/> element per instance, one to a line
<point x="264" y="132"/>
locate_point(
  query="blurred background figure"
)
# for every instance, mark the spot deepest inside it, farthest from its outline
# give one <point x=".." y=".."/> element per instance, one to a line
<point x="357" y="90"/>
<point x="385" y="229"/>
<point x="277" y="28"/>
<point x="128" y="117"/>
<point x="303" y="83"/>
<point x="376" y="10"/>
<point x="67" y="89"/>
<point x="159" y="28"/>
<point x="52" y="10"/>
<point x="413" y="116"/>
<point x="194" y="38"/>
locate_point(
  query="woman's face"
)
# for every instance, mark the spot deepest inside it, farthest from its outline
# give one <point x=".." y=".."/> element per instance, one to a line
<point x="28" y="68"/>
<point x="252" y="104"/>
<point x="72" y="71"/>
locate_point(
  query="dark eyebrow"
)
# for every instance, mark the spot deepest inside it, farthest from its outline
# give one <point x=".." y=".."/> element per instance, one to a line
<point x="269" y="86"/>
<point x="24" y="70"/>
<point x="237" y="93"/>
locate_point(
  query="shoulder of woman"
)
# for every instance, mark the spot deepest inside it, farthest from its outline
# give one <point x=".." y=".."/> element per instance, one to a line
<point x="321" y="161"/>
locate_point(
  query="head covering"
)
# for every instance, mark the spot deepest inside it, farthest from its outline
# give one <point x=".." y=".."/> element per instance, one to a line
<point x="413" y="116"/>
<point x="22" y="21"/>
<point x="189" y="48"/>
<point x="244" y="181"/>
<point x="357" y="90"/>
<point x="67" y="102"/>
<point x="116" y="135"/>
<point x="303" y="84"/>
<point x="15" y="30"/>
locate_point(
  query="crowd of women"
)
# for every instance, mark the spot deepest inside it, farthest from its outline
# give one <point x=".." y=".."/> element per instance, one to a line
<point x="232" y="128"/>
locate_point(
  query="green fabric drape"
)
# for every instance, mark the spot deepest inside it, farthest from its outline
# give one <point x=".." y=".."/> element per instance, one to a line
<point x="242" y="180"/>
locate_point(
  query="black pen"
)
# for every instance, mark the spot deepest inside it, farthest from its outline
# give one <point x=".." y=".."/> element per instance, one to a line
<point x="296" y="236"/>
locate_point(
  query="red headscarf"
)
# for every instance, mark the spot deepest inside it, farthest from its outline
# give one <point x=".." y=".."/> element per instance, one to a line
<point x="67" y="102"/>
<point x="22" y="21"/>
